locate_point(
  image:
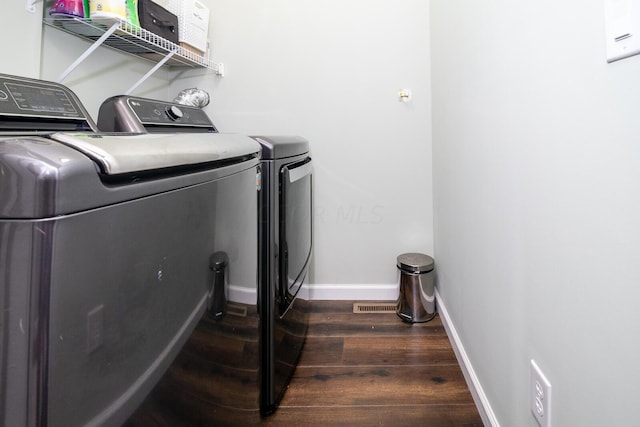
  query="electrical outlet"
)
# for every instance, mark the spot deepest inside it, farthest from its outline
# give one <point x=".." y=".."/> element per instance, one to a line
<point x="540" y="396"/>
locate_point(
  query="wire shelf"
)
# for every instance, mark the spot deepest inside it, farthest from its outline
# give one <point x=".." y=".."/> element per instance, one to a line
<point x="134" y="40"/>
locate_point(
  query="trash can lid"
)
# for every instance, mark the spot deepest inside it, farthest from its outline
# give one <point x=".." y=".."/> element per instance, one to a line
<point x="415" y="262"/>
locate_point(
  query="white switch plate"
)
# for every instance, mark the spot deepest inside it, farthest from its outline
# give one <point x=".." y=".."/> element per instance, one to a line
<point x="540" y="396"/>
<point x="622" y="26"/>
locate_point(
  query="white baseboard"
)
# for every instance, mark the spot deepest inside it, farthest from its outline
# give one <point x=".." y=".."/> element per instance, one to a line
<point x="384" y="292"/>
<point x="242" y="295"/>
<point x="380" y="292"/>
<point x="479" y="397"/>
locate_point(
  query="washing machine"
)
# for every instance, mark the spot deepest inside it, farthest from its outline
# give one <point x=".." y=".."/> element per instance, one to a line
<point x="235" y="368"/>
<point x="112" y="250"/>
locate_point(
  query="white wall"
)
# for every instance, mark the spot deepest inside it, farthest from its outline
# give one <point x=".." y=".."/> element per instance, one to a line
<point x="331" y="71"/>
<point x="20" y="38"/>
<point x="536" y="143"/>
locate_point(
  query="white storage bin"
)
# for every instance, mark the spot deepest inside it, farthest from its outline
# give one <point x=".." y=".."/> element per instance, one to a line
<point x="193" y="22"/>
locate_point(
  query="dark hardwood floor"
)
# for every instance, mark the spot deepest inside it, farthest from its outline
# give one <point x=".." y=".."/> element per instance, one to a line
<point x="355" y="370"/>
<point x="373" y="369"/>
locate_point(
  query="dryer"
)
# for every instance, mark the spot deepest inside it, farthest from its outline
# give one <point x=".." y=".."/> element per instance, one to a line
<point x="286" y="215"/>
<point x="112" y="247"/>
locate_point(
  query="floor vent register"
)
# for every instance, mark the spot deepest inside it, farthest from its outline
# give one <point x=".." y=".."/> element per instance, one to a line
<point x="374" y="307"/>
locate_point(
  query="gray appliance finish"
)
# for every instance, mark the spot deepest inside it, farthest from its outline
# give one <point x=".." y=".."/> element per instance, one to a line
<point x="285" y="253"/>
<point x="143" y="115"/>
<point x="236" y="366"/>
<point x="107" y="264"/>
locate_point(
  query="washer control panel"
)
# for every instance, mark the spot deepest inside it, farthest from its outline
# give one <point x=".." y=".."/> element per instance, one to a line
<point x="149" y="111"/>
<point x="133" y="114"/>
<point x="24" y="97"/>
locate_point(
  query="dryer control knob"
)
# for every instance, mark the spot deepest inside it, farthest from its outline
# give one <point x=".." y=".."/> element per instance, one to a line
<point x="174" y="112"/>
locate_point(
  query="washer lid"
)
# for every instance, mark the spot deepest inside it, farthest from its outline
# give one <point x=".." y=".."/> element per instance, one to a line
<point x="415" y="263"/>
<point x="118" y="153"/>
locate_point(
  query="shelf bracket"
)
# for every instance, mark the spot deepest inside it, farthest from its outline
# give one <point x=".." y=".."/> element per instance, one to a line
<point x="151" y="71"/>
<point x="88" y="52"/>
<point x="220" y="70"/>
<point x="31" y="6"/>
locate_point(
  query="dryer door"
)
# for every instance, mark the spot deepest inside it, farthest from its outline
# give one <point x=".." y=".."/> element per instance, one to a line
<point x="295" y="229"/>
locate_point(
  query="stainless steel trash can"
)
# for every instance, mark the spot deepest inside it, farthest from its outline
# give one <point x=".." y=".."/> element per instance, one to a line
<point x="416" y="301"/>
